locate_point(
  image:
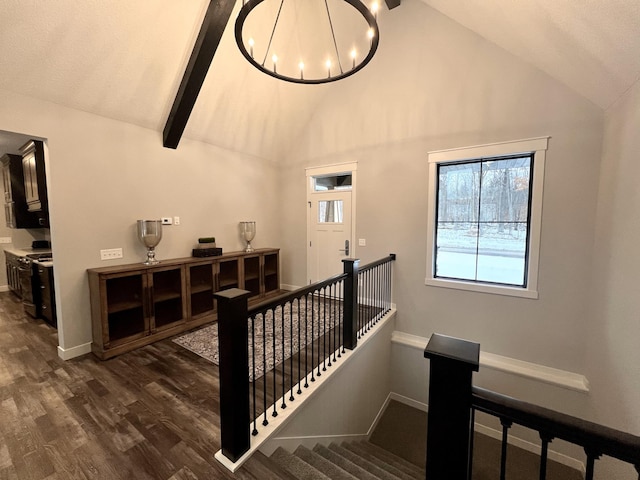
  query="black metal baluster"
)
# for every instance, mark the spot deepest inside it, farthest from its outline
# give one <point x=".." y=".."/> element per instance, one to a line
<point x="506" y="424"/>
<point x="592" y="456"/>
<point x="328" y="333"/>
<point x="264" y="366"/>
<point x="253" y="372"/>
<point x="376" y="284"/>
<point x="342" y="350"/>
<point x="372" y="315"/>
<point x="388" y="295"/>
<point x="358" y="313"/>
<point x="313" y="314"/>
<point x="273" y="348"/>
<point x="306" y="341"/>
<point x="544" y="452"/>
<point x="299" y="346"/>
<point x="291" y="350"/>
<point x="638" y="470"/>
<point x="324" y="329"/>
<point x="333" y="318"/>
<point x="365" y="301"/>
<point x="472" y="423"/>
<point x="284" y="361"/>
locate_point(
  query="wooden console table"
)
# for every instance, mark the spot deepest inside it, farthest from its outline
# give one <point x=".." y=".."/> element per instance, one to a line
<point x="134" y="305"/>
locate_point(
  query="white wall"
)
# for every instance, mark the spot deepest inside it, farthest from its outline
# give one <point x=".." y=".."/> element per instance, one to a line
<point x="614" y="349"/>
<point x="435" y="85"/>
<point x="103" y="175"/>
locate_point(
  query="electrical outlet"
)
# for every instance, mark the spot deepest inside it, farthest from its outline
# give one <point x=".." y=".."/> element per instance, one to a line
<point x="362" y="242"/>
<point x="176" y="220"/>
<point x="110" y="253"/>
<point x="167" y="220"/>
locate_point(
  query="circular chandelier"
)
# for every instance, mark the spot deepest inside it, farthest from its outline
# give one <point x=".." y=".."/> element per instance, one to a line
<point x="307" y="41"/>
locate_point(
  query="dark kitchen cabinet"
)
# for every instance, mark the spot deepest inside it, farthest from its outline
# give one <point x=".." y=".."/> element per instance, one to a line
<point x="35" y="183"/>
<point x="46" y="294"/>
<point x="16" y="210"/>
<point x="13" y="273"/>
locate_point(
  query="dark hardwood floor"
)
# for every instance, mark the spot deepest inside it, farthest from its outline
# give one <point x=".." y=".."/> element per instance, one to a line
<point x="148" y="414"/>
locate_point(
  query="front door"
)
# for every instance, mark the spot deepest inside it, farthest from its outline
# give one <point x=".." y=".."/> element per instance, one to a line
<point x="330" y="232"/>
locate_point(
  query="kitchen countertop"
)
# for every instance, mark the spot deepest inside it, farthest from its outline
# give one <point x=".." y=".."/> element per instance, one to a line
<point x="44" y="264"/>
<point x="22" y="252"/>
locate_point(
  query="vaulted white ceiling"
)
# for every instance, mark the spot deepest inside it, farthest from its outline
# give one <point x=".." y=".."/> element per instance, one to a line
<point x="592" y="46"/>
<point x="124" y="59"/>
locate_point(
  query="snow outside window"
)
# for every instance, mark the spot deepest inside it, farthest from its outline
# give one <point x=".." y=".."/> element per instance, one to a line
<point x="484" y="217"/>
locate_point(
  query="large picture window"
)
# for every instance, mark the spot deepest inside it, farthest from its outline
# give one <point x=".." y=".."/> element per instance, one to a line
<point x="484" y="222"/>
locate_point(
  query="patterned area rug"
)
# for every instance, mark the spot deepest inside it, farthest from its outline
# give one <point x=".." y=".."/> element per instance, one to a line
<point x="204" y="342"/>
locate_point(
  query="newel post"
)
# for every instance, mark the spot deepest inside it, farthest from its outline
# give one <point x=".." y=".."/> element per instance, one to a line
<point x="233" y="346"/>
<point x="449" y="429"/>
<point x="350" y="322"/>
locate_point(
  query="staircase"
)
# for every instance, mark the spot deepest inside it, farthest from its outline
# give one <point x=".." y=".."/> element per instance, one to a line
<point x="347" y="461"/>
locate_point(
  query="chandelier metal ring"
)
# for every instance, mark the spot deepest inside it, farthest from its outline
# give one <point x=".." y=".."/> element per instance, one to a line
<point x="357" y="4"/>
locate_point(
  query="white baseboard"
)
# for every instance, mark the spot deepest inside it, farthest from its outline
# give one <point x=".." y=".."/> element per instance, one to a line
<point x="290" y="288"/>
<point x="409" y="401"/>
<point x="4" y="288"/>
<point x="534" y="371"/>
<point x="73" y="352"/>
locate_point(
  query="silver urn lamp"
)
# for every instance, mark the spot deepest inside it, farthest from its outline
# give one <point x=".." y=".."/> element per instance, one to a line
<point x="150" y="234"/>
<point x="248" y="231"/>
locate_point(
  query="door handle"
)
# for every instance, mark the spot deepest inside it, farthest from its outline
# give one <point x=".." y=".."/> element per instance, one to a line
<point x="346" y="248"/>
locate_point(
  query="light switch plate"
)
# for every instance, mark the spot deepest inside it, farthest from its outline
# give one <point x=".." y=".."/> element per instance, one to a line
<point x="362" y="242"/>
<point x="5" y="240"/>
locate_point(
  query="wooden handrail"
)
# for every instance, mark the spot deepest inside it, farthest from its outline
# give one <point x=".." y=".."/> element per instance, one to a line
<point x="299" y="293"/>
<point x="390" y="258"/>
<point x="598" y="439"/>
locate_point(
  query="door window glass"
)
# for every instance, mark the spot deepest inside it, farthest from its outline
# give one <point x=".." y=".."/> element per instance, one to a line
<point x="330" y="211"/>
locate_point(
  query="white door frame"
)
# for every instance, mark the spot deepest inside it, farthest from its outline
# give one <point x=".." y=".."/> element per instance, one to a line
<point x="326" y="170"/>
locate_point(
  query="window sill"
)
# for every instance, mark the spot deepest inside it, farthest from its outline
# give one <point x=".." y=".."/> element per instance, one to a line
<point x="482" y="288"/>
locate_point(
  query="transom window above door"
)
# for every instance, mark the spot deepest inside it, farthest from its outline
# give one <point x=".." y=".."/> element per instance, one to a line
<point x="332" y="182"/>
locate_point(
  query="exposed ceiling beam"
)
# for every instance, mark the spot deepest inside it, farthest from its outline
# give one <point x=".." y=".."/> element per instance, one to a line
<point x="213" y="25"/>
<point x="392" y="3"/>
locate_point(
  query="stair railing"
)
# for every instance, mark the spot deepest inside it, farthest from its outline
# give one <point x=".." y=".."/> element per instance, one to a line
<point x="270" y="353"/>
<point x="453" y="401"/>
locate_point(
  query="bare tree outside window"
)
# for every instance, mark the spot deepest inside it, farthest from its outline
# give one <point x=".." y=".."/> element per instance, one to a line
<point x="482" y="223"/>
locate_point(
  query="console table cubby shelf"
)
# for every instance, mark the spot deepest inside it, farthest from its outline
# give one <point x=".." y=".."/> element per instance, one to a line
<point x="134" y="305"/>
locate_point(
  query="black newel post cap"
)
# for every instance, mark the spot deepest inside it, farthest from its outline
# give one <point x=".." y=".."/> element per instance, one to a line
<point x="451" y="348"/>
<point x="232" y="294"/>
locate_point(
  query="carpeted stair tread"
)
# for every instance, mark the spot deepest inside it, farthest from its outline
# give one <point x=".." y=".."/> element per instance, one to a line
<point x="323" y="465"/>
<point x="268" y="469"/>
<point x="393" y="459"/>
<point x="377" y="461"/>
<point x="343" y="463"/>
<point x="380" y="473"/>
<point x="296" y="466"/>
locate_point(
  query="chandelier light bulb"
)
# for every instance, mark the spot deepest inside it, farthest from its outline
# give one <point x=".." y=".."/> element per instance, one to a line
<point x="275" y="61"/>
<point x="375" y="6"/>
<point x="301" y="65"/>
<point x="251" y="43"/>
<point x="353" y="58"/>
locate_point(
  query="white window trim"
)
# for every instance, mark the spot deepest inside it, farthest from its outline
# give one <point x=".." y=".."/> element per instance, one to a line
<point x="538" y="146"/>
